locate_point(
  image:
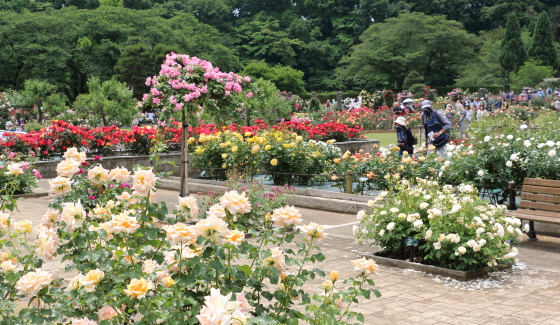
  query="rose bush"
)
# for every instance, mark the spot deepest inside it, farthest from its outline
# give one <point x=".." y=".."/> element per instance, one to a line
<point x="128" y="260"/>
<point x="454" y="226"/>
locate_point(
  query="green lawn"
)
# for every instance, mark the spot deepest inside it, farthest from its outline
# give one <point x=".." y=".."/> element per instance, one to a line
<point x="385" y="138"/>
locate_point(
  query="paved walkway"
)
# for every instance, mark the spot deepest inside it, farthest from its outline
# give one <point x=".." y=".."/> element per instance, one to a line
<point x="529" y="293"/>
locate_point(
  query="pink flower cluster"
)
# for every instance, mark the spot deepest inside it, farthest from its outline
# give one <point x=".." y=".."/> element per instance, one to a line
<point x="184" y="79"/>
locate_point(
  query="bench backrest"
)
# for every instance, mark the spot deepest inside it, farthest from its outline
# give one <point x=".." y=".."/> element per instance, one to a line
<point x="540" y="197"/>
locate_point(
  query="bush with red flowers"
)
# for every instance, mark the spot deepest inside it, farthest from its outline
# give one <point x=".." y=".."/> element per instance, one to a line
<point x="139" y="141"/>
<point x="106" y="140"/>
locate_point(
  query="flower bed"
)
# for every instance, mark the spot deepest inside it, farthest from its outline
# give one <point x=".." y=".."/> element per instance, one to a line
<point x="452" y="226"/>
<point x="16" y="176"/>
<point x="372" y="119"/>
<point x="129" y="258"/>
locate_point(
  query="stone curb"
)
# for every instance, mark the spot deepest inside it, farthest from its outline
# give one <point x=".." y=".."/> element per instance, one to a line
<point x="305" y="198"/>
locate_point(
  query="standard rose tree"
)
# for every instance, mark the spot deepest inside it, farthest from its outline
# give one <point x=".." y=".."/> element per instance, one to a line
<point x="190" y="87"/>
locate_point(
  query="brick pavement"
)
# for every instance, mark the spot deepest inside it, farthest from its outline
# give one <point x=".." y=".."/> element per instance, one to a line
<point x="520" y="296"/>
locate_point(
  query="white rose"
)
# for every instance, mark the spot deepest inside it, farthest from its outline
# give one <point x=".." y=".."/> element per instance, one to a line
<point x="523" y="126"/>
<point x="437" y="245"/>
<point x="527" y="143"/>
<point x="462" y="250"/>
<point x="424" y="205"/>
<point x="552" y="153"/>
<point x="509" y="137"/>
<point x="480" y="173"/>
<point x="394" y="210"/>
<point x="487" y="138"/>
<point x="418" y="223"/>
<point x="476" y="248"/>
<point x="509" y="163"/>
<point x="361" y="214"/>
<point x="391" y="226"/>
<point x="550" y="143"/>
<point x="428" y="234"/>
<point x="381" y="232"/>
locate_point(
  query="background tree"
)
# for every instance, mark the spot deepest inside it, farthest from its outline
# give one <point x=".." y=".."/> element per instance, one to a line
<point x="543" y="47"/>
<point x="134" y="66"/>
<point x="530" y="74"/>
<point x="43" y="99"/>
<point x="512" y="52"/>
<point x="265" y="104"/>
<point x="437" y="48"/>
<point x="107" y="103"/>
<point x="285" y="78"/>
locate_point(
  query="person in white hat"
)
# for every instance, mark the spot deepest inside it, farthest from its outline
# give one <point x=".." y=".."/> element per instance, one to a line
<point x="10" y="126"/>
<point x="405" y="139"/>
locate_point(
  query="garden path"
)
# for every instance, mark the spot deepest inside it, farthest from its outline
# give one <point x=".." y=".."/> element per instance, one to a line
<point x="526" y="294"/>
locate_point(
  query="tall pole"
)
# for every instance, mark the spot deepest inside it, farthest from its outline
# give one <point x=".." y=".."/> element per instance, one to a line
<point x="184" y="154"/>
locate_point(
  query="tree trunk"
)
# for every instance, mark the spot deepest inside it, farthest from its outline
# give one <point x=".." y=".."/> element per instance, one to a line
<point x="184" y="191"/>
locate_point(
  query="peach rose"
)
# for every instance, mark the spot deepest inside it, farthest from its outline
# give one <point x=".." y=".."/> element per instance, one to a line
<point x="14" y="169"/>
<point x="50" y="218"/>
<point x="212" y="228"/>
<point x="149" y="266"/>
<point x="91" y="279"/>
<point x="120" y="174"/>
<point x="244" y="306"/>
<point x="106" y="312"/>
<point x="235" y="237"/>
<point x="277" y="259"/>
<point x="73" y="215"/>
<point x="31" y="283"/>
<point x="189" y="203"/>
<point x="168" y="282"/>
<point x="218" y="211"/>
<point x="8" y="266"/>
<point x="48" y="242"/>
<point x="4" y="220"/>
<point x="180" y="233"/>
<point x="235" y="202"/>
<point x="73" y="153"/>
<point x="315" y="231"/>
<point x="98" y="174"/>
<point x="144" y="181"/>
<point x="60" y="185"/>
<point x="68" y="167"/>
<point x="23" y="226"/>
<point x="366" y="266"/>
<point x="122" y="223"/>
<point x="137" y="288"/>
<point x="286" y="216"/>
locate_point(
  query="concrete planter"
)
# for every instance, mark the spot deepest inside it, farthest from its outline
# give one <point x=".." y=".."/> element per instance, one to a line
<point x="354" y="146"/>
<point x="456" y="274"/>
<point x="48" y="168"/>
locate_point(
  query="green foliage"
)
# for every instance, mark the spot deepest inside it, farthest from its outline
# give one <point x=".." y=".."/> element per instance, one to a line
<point x="431" y="45"/>
<point x="106" y="103"/>
<point x="134" y="66"/>
<point x="530" y="74"/>
<point x="512" y="53"/>
<point x="266" y="103"/>
<point x="43" y="98"/>
<point x="285" y="78"/>
<point x="111" y="3"/>
<point x="543" y="47"/>
<point x="412" y="78"/>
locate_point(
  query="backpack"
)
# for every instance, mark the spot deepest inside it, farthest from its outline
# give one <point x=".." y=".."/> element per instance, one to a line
<point x="414" y="139"/>
<point x="434" y="125"/>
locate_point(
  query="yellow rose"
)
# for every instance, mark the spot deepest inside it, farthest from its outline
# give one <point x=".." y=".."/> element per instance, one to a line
<point x="421" y="158"/>
<point x="366" y="266"/>
<point x="274" y="162"/>
<point x="235" y="202"/>
<point x="248" y="134"/>
<point x="255" y="148"/>
<point x="285" y="145"/>
<point x="199" y="150"/>
<point x="267" y="147"/>
<point x="286" y="216"/>
<point x="137" y="288"/>
<point x="299" y="138"/>
<point x="234" y="149"/>
<point x="431" y="147"/>
<point x="235" y="237"/>
<point x="24" y="225"/>
<point x="327" y="285"/>
<point x="330" y="141"/>
<point x="292" y="145"/>
<point x="224" y="166"/>
<point x="334" y="276"/>
<point x="168" y="282"/>
<point x="224" y="155"/>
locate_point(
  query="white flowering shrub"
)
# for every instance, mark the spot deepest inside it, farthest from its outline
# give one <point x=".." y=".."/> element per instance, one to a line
<point x="455" y="228"/>
<point x="126" y="260"/>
